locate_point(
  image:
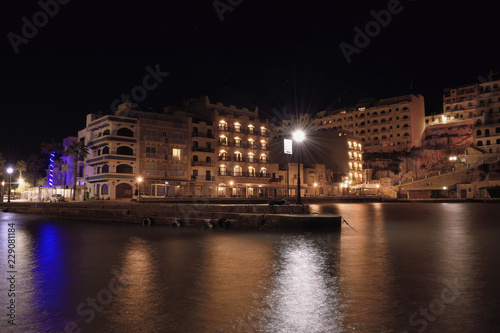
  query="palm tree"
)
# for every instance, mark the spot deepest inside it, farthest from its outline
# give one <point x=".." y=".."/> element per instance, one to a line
<point x="21" y="167"/>
<point x="79" y="151"/>
<point x="34" y="162"/>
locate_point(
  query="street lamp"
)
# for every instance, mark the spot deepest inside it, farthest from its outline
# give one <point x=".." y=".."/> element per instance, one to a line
<point x="298" y="136"/>
<point x="139" y="180"/>
<point x="9" y="171"/>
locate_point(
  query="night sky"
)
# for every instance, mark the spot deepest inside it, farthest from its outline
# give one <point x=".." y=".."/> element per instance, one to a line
<point x="271" y="54"/>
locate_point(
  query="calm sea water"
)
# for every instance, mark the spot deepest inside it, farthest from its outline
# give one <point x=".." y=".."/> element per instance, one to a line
<point x="407" y="267"/>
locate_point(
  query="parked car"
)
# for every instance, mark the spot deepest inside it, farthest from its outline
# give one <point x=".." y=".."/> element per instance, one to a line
<point x="56" y="198"/>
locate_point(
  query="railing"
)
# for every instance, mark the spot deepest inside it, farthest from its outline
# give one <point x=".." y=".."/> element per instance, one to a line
<point x="222" y="143"/>
<point x="223" y="128"/>
<point x="202" y="163"/>
<point x="244" y="174"/>
<point x="204" y="135"/>
<point x="175" y="173"/>
<point x="224" y="158"/>
<point x="253" y="132"/>
<point x="154" y="138"/>
<point x="253" y="146"/>
<point x="154" y="173"/>
<point x="275" y="180"/>
<point x="176" y="158"/>
<point x="205" y="149"/>
<point x="239" y="159"/>
<point x="177" y="141"/>
<point x="239" y="144"/>
<point x="154" y="155"/>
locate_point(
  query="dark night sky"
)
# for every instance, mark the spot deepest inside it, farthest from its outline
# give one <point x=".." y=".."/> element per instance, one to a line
<point x="269" y="54"/>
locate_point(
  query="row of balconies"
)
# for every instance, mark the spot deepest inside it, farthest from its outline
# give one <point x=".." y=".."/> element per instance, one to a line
<point x="244" y="174"/>
<point x="243" y="145"/>
<point x="164" y="173"/>
<point x="254" y="131"/>
<point x="243" y="159"/>
<point x="203" y="135"/>
<point x="162" y="139"/>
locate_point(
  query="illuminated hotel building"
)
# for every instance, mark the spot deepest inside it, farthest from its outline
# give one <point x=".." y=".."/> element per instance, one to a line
<point x="355" y="157"/>
<point x="390" y="124"/>
<point x="240" y="150"/>
<point x="475" y="107"/>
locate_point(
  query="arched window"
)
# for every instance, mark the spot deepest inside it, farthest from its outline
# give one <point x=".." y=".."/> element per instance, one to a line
<point x="106" y="132"/>
<point x="405" y="125"/>
<point x="104" y="189"/>
<point x="384" y="137"/>
<point x="478" y="132"/>
<point x="98" y="170"/>
<point x="124" y="150"/>
<point x="406" y="134"/>
<point x="195" y="158"/>
<point x="487" y="132"/>
<point x="383" y="121"/>
<point x="208" y="159"/>
<point x="405" y="117"/>
<point x="479" y="143"/>
<point x="488" y="142"/>
<point x="125" y="132"/>
<point x="478" y="122"/>
<point x="237" y="171"/>
<point x="105" y="168"/>
<point x="105" y="150"/>
<point x="497" y="130"/>
<point x="124" y="168"/>
<point x="251" y="171"/>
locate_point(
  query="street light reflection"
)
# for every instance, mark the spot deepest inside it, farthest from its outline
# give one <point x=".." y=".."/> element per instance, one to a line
<point x="304" y="297"/>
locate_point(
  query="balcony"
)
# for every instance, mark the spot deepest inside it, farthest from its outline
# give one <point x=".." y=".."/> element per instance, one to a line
<point x="203" y="163"/>
<point x="223" y="143"/>
<point x="238" y="144"/>
<point x="275" y="180"/>
<point x="175" y="173"/>
<point x="204" y="149"/>
<point x="160" y="173"/>
<point x="177" y="141"/>
<point x="224" y="158"/>
<point x="154" y="155"/>
<point x="203" y="135"/>
<point x="176" y="158"/>
<point x="264" y="133"/>
<point x="239" y="159"/>
<point x="244" y="174"/>
<point x="253" y="146"/>
<point x="253" y="131"/>
<point x="224" y="128"/>
<point x="153" y="138"/>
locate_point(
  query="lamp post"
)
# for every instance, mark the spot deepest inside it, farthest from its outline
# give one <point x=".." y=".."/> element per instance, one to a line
<point x="139" y="180"/>
<point x="9" y="171"/>
<point x="298" y="136"/>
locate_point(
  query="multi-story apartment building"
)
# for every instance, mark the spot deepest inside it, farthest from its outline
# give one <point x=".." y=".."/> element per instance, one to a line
<point x="474" y="108"/>
<point x="238" y="142"/>
<point x="391" y="124"/>
<point x="131" y="150"/>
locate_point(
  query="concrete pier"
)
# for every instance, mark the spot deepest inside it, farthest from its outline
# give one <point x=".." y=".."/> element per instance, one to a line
<point x="218" y="216"/>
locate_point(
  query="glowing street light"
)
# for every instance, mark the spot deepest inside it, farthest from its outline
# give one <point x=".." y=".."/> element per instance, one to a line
<point x="298" y="136"/>
<point x="9" y="171"/>
<point x="139" y="180"/>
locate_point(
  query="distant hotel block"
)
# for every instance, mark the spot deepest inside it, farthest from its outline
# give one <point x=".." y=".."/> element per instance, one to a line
<point x="390" y="124"/>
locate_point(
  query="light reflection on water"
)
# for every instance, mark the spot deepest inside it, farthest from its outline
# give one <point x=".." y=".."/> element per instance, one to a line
<point x="369" y="280"/>
<point x="303" y="296"/>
